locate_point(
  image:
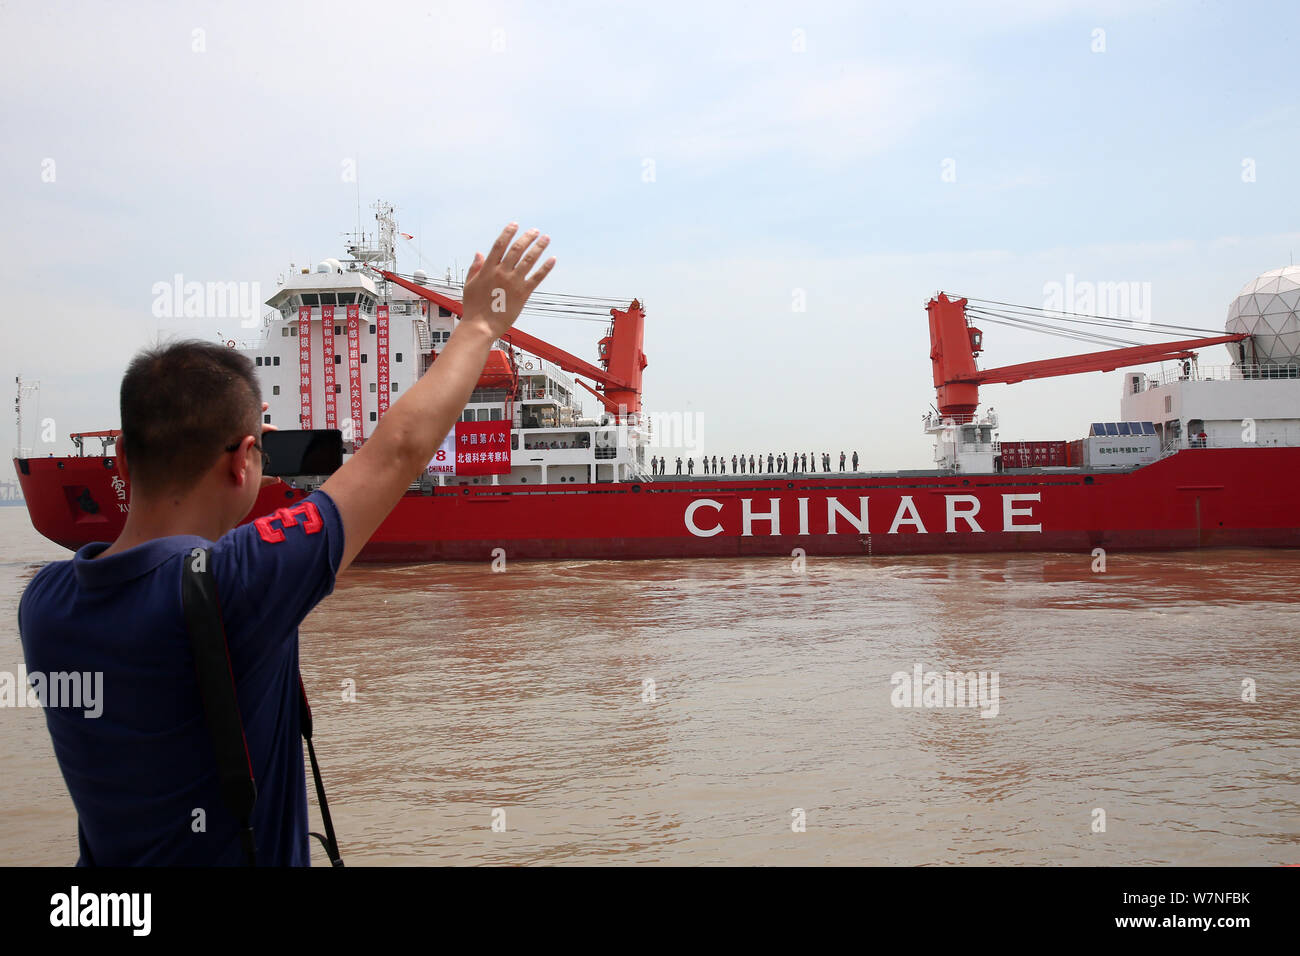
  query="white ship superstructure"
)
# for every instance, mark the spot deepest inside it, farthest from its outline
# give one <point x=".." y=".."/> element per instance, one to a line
<point x="551" y="441"/>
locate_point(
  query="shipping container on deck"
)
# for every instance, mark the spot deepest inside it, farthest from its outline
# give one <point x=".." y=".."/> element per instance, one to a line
<point x="1034" y="454"/>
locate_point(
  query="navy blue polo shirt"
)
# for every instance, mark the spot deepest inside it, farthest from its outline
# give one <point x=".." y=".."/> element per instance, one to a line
<point x="140" y="770"/>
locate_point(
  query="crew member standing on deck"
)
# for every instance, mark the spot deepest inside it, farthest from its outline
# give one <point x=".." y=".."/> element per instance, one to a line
<point x="679" y="464"/>
<point x="191" y="447"/>
<point x="855" y="461"/>
<point x="690" y="466"/>
<point x="841" y="461"/>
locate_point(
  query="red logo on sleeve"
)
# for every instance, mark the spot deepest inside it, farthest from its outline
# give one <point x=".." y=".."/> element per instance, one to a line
<point x="288" y="518"/>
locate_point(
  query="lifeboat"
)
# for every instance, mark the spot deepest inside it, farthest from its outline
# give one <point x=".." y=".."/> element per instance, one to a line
<point x="497" y="371"/>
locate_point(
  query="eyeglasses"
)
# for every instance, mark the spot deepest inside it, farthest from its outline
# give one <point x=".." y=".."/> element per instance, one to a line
<point x="266" y="459"/>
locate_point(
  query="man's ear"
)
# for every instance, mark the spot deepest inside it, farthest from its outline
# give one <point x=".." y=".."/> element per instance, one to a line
<point x="123" y="466"/>
<point x="239" y="460"/>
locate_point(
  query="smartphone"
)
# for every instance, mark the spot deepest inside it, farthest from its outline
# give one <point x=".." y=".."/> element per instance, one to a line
<point x="303" y="452"/>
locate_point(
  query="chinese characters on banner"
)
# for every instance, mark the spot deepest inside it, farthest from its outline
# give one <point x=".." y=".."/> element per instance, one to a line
<point x="354" y="371"/>
<point x="381" y="359"/>
<point x="474" y="448"/>
<point x="483" y="448"/>
<point x="327" y="348"/>
<point x="304" y="366"/>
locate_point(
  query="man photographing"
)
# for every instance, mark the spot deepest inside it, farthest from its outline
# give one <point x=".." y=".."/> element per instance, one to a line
<point x="142" y="775"/>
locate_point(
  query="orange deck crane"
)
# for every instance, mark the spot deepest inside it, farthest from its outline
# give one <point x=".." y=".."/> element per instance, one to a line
<point x="955" y="343"/>
<point x="618" y="383"/>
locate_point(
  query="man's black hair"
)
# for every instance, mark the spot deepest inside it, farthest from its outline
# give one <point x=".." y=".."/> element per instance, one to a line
<point x="182" y="404"/>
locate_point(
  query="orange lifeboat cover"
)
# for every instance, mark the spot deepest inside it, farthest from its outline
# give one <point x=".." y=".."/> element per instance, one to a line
<point x="496" y="372"/>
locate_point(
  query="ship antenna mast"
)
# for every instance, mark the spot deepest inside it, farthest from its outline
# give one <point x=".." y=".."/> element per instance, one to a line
<point x="19" y="450"/>
<point x="377" y="251"/>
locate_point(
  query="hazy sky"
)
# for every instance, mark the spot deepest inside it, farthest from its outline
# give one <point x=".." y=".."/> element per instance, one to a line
<point x="711" y="159"/>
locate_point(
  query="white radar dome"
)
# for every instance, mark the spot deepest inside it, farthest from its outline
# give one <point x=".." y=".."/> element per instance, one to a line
<point x="329" y="265"/>
<point x="421" y="277"/>
<point x="1268" y="309"/>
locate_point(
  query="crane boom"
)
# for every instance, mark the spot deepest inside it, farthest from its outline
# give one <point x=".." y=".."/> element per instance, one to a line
<point x="1104" y="361"/>
<point x="621" y="384"/>
<point x="954" y="344"/>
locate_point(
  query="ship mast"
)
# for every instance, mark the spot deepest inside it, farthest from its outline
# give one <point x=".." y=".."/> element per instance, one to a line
<point x="19" y="450"/>
<point x="377" y="250"/>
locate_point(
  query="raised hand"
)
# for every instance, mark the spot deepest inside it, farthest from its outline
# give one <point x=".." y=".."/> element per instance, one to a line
<point x="498" y="285"/>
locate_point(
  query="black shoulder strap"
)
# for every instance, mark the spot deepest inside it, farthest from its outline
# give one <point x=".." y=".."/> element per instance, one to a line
<point x="221" y="706"/>
<point x="217" y="689"/>
<point x="328" y="841"/>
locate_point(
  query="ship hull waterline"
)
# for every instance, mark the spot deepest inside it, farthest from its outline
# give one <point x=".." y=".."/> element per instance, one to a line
<point x="1200" y="498"/>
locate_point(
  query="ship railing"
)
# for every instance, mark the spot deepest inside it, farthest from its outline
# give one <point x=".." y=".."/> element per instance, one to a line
<point x="1222" y="373"/>
<point x="931" y="421"/>
<point x="537" y="394"/>
<point x="1289" y="439"/>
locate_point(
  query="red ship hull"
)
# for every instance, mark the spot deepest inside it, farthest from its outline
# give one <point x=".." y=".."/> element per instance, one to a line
<point x="1199" y="498"/>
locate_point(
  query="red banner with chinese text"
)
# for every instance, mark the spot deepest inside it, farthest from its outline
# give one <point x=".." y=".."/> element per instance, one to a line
<point x="483" y="448"/>
<point x="329" y="378"/>
<point x="354" y="371"/>
<point x="304" y="366"/>
<point x="381" y="359"/>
